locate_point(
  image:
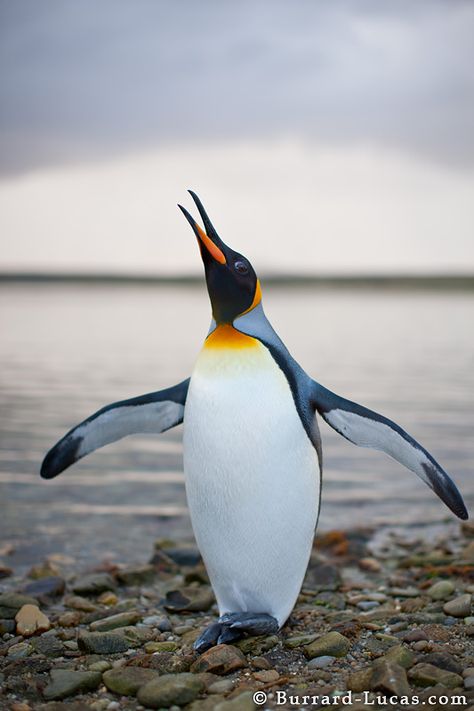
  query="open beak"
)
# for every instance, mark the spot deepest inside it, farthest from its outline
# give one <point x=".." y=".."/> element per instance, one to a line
<point x="209" y="239"/>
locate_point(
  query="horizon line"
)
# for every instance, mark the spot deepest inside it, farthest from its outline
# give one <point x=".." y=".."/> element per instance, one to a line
<point x="401" y="279"/>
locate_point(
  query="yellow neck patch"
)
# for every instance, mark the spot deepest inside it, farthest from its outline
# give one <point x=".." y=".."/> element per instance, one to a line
<point x="226" y="336"/>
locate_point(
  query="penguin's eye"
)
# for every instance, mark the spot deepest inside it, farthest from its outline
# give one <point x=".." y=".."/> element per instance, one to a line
<point x="241" y="267"/>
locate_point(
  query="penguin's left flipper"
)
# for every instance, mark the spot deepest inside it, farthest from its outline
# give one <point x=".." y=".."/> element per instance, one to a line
<point x="366" y="428"/>
<point x="154" y="412"/>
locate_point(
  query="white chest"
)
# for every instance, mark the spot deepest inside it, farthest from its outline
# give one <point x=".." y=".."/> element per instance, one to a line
<point x="252" y="479"/>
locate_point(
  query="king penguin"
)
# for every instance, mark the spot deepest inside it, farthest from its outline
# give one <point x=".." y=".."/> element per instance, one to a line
<point x="252" y="449"/>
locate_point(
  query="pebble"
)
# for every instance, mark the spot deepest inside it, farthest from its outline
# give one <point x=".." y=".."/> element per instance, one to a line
<point x="469" y="683"/>
<point x="390" y="677"/>
<point x="443" y="661"/>
<point x="221" y="659"/>
<point x="20" y="650"/>
<point x="370" y="564"/>
<point x="243" y="702"/>
<point x="158" y="621"/>
<point x="223" y="686"/>
<point x="169" y="689"/>
<point x="76" y="602"/>
<point x="421" y="645"/>
<point x="190" y="600"/>
<point x="108" y="598"/>
<point x="154" y="647"/>
<point x="299" y="641"/>
<point x="266" y="676"/>
<point x="320" y="662"/>
<point x="332" y="644"/>
<point x="366" y="605"/>
<point x="441" y="590"/>
<point x="66" y="682"/>
<point x="100" y="665"/>
<point x="459" y="606"/>
<point x="29" y="620"/>
<point x="113" y="642"/>
<point x="429" y="675"/>
<point x="122" y="619"/>
<point x="69" y="619"/>
<point x="94" y="584"/>
<point x="400" y="655"/>
<point x="468" y="672"/>
<point x="10" y="603"/>
<point x="137" y="575"/>
<point x="126" y="681"/>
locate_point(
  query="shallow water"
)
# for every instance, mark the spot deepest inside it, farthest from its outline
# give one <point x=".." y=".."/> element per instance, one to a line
<point x="68" y="349"/>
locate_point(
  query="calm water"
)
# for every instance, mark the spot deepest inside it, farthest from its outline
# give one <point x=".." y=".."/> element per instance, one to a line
<point x="66" y="350"/>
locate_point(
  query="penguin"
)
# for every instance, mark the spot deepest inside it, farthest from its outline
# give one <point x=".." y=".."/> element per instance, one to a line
<point x="252" y="448"/>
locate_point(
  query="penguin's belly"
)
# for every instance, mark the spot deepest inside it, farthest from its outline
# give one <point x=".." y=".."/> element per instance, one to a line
<point x="252" y="477"/>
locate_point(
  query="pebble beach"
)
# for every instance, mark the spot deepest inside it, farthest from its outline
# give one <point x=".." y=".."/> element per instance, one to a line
<point x="384" y="620"/>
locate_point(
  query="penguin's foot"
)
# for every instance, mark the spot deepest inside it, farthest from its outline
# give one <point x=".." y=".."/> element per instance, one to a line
<point x="234" y="625"/>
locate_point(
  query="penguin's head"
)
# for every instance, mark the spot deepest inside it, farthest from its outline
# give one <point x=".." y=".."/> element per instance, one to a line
<point x="233" y="286"/>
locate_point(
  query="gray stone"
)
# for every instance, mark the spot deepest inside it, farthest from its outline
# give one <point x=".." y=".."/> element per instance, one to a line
<point x="44" y="588"/>
<point x="161" y="623"/>
<point x="122" y="619"/>
<point x="10" y="603"/>
<point x="7" y="626"/>
<point x="126" y="681"/>
<point x="94" y="584"/>
<point x="112" y="642"/>
<point x="67" y="682"/>
<point x="170" y="689"/>
<point x="469" y="683"/>
<point x="322" y="577"/>
<point x="366" y="605"/>
<point x="223" y="686"/>
<point x="459" y="607"/>
<point x="320" y="662"/>
<point x="441" y="590"/>
<point x="48" y="645"/>
<point x="332" y="644"/>
<point x="190" y="599"/>
<point x="137" y="575"/>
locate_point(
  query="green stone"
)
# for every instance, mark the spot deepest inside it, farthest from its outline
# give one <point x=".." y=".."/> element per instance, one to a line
<point x="429" y="675"/>
<point x="332" y="644"/>
<point x="66" y="682"/>
<point x="170" y="689"/>
<point x="126" y="681"/>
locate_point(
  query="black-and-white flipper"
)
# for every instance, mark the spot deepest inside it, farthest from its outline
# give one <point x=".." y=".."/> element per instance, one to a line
<point x="366" y="428"/>
<point x="154" y="412"/>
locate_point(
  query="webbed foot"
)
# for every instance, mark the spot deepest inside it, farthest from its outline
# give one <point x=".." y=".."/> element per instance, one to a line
<point x="234" y="625"/>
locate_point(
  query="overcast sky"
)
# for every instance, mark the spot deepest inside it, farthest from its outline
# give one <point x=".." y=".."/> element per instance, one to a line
<point x="322" y="136"/>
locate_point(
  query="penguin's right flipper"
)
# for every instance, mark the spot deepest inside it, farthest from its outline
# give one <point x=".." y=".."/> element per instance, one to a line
<point x="154" y="412"/>
<point x="367" y="428"/>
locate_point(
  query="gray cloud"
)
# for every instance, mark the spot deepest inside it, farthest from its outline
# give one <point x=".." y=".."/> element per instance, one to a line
<point x="82" y="80"/>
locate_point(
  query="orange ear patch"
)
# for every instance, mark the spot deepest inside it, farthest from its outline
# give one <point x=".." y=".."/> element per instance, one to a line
<point x="256" y="299"/>
<point x="226" y="336"/>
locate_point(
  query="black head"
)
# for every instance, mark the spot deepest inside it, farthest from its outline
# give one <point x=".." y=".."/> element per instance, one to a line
<point x="231" y="281"/>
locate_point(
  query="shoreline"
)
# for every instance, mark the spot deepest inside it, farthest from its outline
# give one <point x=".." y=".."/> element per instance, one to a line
<point x="381" y="614"/>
